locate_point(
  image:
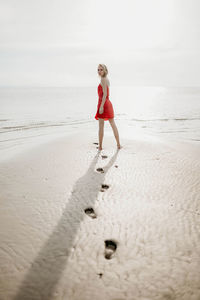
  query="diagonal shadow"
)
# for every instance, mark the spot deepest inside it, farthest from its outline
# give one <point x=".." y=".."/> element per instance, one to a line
<point x="50" y="262"/>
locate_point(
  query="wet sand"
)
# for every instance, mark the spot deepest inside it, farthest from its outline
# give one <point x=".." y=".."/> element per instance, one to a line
<point x="129" y="230"/>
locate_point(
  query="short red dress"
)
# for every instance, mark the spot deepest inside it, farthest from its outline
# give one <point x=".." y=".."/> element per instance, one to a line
<point x="108" y="112"/>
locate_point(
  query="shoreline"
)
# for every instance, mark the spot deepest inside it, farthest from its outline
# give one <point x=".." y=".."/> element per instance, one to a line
<point x="186" y="147"/>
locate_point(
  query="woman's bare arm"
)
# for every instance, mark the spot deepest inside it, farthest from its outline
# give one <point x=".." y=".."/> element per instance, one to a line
<point x="104" y="85"/>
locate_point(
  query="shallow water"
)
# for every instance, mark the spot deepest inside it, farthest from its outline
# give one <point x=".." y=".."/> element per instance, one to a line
<point x="27" y="114"/>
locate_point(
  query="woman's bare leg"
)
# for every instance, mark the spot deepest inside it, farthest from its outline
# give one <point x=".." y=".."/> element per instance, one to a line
<point x="101" y="132"/>
<point x="115" y="131"/>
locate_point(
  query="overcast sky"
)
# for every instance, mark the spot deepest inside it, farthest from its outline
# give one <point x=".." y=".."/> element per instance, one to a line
<point x="61" y="42"/>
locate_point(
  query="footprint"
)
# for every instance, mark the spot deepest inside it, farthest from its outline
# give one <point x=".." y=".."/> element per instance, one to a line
<point x="110" y="248"/>
<point x="105" y="186"/>
<point x="96" y="143"/>
<point x="100" y="170"/>
<point x="104" y="156"/>
<point x="90" y="212"/>
<point x="100" y="274"/>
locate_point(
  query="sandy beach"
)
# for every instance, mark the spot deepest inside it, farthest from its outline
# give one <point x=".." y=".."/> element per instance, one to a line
<point x="138" y="240"/>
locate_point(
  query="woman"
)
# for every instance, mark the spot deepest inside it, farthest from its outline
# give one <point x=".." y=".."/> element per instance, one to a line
<point x="104" y="108"/>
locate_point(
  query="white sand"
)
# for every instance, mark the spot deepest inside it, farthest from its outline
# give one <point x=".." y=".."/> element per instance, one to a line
<point x="49" y="247"/>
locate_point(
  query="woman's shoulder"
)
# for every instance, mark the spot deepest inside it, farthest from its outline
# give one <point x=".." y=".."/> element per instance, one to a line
<point x="105" y="81"/>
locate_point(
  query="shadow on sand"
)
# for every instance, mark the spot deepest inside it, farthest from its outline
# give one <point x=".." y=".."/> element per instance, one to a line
<point x="51" y="261"/>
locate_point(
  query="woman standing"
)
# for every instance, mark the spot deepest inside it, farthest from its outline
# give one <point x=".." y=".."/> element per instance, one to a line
<point x="104" y="108"/>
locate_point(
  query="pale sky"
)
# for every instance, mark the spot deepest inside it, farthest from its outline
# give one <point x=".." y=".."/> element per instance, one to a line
<point x="61" y="42"/>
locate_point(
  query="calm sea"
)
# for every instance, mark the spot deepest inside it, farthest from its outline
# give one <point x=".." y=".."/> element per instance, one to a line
<point x="27" y="114"/>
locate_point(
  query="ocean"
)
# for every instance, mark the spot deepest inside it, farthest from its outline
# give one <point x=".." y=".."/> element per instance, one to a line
<point x="30" y="114"/>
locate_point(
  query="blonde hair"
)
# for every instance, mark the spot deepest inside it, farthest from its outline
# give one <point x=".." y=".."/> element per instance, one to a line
<point x="105" y="69"/>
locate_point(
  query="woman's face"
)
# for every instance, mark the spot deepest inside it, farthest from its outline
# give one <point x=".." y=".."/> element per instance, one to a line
<point x="100" y="71"/>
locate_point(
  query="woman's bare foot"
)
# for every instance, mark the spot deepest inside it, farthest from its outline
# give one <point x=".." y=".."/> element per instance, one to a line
<point x="119" y="146"/>
<point x="100" y="148"/>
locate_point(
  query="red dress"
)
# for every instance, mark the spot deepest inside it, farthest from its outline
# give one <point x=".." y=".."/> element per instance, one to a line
<point x="108" y="112"/>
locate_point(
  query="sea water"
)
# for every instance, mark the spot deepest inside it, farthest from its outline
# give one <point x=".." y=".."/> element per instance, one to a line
<point x="32" y="114"/>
